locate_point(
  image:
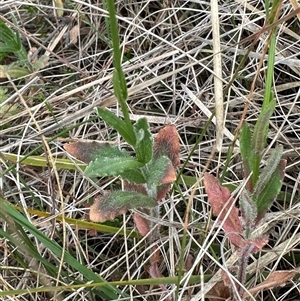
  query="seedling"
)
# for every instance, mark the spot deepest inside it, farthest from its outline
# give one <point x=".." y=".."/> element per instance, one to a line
<point x="147" y="176"/>
<point x="262" y="188"/>
<point x="10" y="42"/>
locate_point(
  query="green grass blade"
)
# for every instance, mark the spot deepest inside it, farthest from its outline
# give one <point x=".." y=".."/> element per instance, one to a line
<point x="108" y="292"/>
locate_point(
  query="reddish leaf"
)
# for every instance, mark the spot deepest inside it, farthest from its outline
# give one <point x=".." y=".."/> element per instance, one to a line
<point x="166" y="143"/>
<point x="222" y="204"/>
<point x="74" y="33"/>
<point x="218" y="292"/>
<point x="258" y="243"/>
<point x="189" y="262"/>
<point x="276" y="278"/>
<point x="130" y="186"/>
<point x="159" y="171"/>
<point x="156" y="273"/>
<point x="118" y="202"/>
<point x="162" y="190"/>
<point x="170" y="175"/>
<point x="99" y="216"/>
<point x="155" y="254"/>
<point x="84" y="151"/>
<point x="227" y="280"/>
<point x="141" y="224"/>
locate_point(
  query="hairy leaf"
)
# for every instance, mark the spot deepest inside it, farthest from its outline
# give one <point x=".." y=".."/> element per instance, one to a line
<point x="130" y="186"/>
<point x="141" y="223"/>
<point x="109" y="206"/>
<point x="162" y="191"/>
<point x="256" y="243"/>
<point x="159" y="171"/>
<point x="261" y="128"/>
<point x="266" y="197"/>
<point x="246" y="153"/>
<point x="144" y="141"/>
<point x="223" y="205"/>
<point x="268" y="170"/>
<point x="166" y="143"/>
<point x="87" y="151"/>
<point x="10" y="41"/>
<point x="248" y="209"/>
<point x="13" y="71"/>
<point x="111" y="166"/>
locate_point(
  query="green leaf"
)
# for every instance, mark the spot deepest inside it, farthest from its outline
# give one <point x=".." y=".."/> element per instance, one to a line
<point x="130" y="199"/>
<point x="3" y="95"/>
<point x="118" y="124"/>
<point x="40" y="63"/>
<point x="13" y="71"/>
<point x="107" y="207"/>
<point x="133" y="175"/>
<point x="144" y="141"/>
<point x="119" y="81"/>
<point x="261" y="128"/>
<point x="245" y="145"/>
<point x="268" y="170"/>
<point x="27" y="247"/>
<point x="159" y="171"/>
<point x="265" y="199"/>
<point x="111" y="166"/>
<point x="259" y="138"/>
<point x="109" y="151"/>
<point x="247" y="153"/>
<point x="10" y="42"/>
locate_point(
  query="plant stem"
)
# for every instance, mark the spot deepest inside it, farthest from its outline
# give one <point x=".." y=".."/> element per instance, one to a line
<point x="120" y="88"/>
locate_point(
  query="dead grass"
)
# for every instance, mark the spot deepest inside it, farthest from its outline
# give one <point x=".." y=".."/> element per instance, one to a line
<point x="167" y="46"/>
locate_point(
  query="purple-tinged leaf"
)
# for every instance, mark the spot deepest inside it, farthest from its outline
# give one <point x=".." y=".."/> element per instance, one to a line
<point x="85" y="151"/>
<point x="222" y="204"/>
<point x="248" y="210"/>
<point x="166" y="143"/>
<point x="256" y="243"/>
<point x="141" y="223"/>
<point x="109" y="206"/>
